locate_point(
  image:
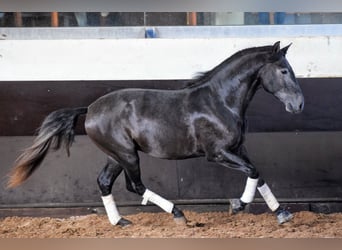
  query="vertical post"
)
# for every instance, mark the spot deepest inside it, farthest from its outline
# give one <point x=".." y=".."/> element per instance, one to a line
<point x="103" y="18"/>
<point x="54" y="19"/>
<point x="18" y="19"/>
<point x="272" y="21"/>
<point x="102" y="21"/>
<point x="192" y="18"/>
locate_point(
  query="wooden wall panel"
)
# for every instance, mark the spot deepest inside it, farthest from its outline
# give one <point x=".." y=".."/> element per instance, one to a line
<point x="25" y="104"/>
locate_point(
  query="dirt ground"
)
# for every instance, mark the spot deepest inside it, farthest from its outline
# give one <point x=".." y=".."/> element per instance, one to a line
<point x="161" y="225"/>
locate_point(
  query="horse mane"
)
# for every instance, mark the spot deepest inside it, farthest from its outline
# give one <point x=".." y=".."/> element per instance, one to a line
<point x="202" y="77"/>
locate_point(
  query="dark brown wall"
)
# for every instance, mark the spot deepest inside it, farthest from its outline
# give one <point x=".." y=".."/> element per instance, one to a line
<point x="25" y="104"/>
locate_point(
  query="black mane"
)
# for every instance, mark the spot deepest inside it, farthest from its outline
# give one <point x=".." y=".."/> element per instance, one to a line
<point x="202" y="77"/>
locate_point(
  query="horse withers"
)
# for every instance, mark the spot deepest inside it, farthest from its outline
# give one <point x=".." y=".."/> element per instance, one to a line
<point x="204" y="119"/>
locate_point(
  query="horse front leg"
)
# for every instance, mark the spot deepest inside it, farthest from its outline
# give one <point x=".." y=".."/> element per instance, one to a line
<point x="238" y="205"/>
<point x="282" y="214"/>
<point x="241" y="162"/>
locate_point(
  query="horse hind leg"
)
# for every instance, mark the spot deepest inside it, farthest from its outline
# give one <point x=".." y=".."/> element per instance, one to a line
<point x="148" y="195"/>
<point x="129" y="184"/>
<point x="134" y="184"/>
<point x="166" y="205"/>
<point x="105" y="181"/>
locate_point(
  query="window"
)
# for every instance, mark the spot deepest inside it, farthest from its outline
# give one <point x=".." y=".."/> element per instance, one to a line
<point x="109" y="19"/>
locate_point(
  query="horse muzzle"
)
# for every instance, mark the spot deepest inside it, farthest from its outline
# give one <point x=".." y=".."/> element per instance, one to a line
<point x="295" y="106"/>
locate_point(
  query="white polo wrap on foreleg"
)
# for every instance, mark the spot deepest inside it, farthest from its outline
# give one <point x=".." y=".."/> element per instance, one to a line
<point x="250" y="188"/>
<point x="269" y="198"/>
<point x="164" y="204"/>
<point x="111" y="209"/>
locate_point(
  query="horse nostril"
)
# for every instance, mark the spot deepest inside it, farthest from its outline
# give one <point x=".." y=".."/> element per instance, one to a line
<point x="301" y="106"/>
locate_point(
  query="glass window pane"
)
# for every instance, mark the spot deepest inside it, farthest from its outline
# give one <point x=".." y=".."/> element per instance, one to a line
<point x="110" y="19"/>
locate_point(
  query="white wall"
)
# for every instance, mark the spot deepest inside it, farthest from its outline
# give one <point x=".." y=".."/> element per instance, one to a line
<point x="139" y="59"/>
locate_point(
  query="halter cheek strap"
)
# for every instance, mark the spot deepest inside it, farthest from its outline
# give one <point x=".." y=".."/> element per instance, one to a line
<point x="164" y="204"/>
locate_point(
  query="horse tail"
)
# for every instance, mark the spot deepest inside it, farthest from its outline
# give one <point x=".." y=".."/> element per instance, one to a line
<point x="56" y="130"/>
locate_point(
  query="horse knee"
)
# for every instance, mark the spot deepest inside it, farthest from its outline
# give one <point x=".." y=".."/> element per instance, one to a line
<point x="214" y="157"/>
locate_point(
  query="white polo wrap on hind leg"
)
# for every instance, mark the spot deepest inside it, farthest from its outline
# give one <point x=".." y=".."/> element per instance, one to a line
<point x="269" y="198"/>
<point x="164" y="204"/>
<point x="250" y="188"/>
<point x="111" y="209"/>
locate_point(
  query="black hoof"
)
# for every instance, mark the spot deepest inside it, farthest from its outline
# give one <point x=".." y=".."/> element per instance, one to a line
<point x="178" y="216"/>
<point x="124" y="223"/>
<point x="236" y="206"/>
<point x="177" y="212"/>
<point x="283" y="216"/>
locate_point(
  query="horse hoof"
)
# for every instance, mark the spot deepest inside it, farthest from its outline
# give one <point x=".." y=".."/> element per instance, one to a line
<point x="124" y="223"/>
<point x="180" y="220"/>
<point x="284" y="216"/>
<point x="235" y="206"/>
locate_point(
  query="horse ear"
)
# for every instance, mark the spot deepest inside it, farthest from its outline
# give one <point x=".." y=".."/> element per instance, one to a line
<point x="284" y="50"/>
<point x="276" y="48"/>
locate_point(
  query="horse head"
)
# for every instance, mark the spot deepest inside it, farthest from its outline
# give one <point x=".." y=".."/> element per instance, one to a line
<point x="278" y="78"/>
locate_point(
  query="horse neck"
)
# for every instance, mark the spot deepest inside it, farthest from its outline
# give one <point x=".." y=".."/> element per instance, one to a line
<point x="236" y="83"/>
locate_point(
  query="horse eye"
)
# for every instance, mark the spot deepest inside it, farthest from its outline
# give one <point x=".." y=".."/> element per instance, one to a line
<point x="284" y="71"/>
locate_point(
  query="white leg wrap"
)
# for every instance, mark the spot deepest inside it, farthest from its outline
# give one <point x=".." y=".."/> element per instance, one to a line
<point x="164" y="204"/>
<point x="112" y="211"/>
<point x="269" y="198"/>
<point x="250" y="188"/>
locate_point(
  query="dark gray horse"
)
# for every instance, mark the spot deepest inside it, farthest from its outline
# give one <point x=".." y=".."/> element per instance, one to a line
<point x="206" y="118"/>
